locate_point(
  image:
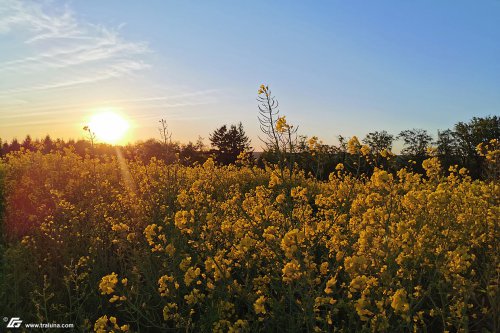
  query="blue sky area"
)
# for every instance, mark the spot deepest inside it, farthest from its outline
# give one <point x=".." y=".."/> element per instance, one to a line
<point x="337" y="67"/>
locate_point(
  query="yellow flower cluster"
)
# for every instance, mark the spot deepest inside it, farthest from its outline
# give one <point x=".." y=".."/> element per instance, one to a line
<point x="399" y="302"/>
<point x="263" y="89"/>
<point x="259" y="305"/>
<point x="243" y="249"/>
<point x="281" y="125"/>
<point x="163" y="284"/>
<point x="353" y="145"/>
<point x="490" y="150"/>
<point x="105" y="324"/>
<point x="108" y="283"/>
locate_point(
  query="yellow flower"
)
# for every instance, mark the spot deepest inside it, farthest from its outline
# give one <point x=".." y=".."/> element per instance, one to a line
<point x="281" y="125"/>
<point x="291" y="241"/>
<point x="191" y="274"/>
<point x="259" y="305"/>
<point x="432" y="167"/>
<point x="280" y="198"/>
<point x="314" y="144"/>
<point x="119" y="227"/>
<point x="361" y="308"/>
<point x="169" y="311"/>
<point x="239" y="326"/>
<point x="330" y="284"/>
<point x="263" y="89"/>
<point x="385" y="153"/>
<point x="291" y="271"/>
<point x="183" y="219"/>
<point x="380" y="178"/>
<point x="399" y="302"/>
<point x="108" y="283"/>
<point x="163" y="284"/>
<point x="184" y="265"/>
<point x="323" y="269"/>
<point x="365" y="150"/>
<point x="195" y="297"/>
<point x="353" y="146"/>
<point x="100" y="324"/>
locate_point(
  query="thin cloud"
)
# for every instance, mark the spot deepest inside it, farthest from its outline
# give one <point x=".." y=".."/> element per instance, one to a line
<point x="64" y="47"/>
<point x="148" y="103"/>
<point x="166" y="97"/>
<point x="116" y="70"/>
<point x="186" y="98"/>
<point x="96" y="49"/>
<point x="33" y="17"/>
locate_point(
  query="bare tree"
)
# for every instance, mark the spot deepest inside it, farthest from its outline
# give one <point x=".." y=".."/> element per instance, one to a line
<point x="166" y="136"/>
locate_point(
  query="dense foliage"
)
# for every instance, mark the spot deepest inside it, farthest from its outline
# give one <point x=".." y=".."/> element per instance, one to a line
<point x="229" y="143"/>
<point x="108" y="244"/>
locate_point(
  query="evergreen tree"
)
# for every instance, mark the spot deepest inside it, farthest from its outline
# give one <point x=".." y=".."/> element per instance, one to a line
<point x="28" y="143"/>
<point x="47" y="144"/>
<point x="229" y="143"/>
<point x="14" y="145"/>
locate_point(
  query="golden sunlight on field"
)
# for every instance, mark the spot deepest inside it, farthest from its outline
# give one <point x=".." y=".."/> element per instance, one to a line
<point x="109" y="126"/>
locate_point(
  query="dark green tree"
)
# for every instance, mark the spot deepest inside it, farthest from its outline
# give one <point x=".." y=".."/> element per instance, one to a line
<point x="14" y="145"/>
<point x="229" y="143"/>
<point x="378" y="141"/>
<point x="470" y="135"/>
<point x="446" y="144"/>
<point x="48" y="145"/>
<point x="416" y="141"/>
<point x="28" y="143"/>
<point x="447" y="148"/>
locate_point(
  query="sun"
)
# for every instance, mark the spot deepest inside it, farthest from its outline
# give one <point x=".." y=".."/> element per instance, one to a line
<point x="108" y="126"/>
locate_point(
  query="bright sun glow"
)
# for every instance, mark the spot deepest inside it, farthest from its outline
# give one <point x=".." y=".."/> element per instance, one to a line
<point x="108" y="126"/>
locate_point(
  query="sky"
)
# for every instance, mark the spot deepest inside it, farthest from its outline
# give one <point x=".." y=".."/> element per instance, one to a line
<point x="336" y="67"/>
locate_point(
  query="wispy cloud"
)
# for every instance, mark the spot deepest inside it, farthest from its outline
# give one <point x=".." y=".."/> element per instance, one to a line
<point x="148" y="103"/>
<point x="58" y="68"/>
<point x="16" y="14"/>
<point x="116" y="70"/>
<point x="94" y="50"/>
<point x="171" y="98"/>
<point x="58" y="40"/>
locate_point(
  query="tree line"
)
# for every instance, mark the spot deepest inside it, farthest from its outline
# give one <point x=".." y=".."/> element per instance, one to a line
<point x="456" y="146"/>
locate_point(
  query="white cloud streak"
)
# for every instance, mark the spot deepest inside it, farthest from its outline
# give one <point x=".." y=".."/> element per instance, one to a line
<point x="163" y="102"/>
<point x="60" y="41"/>
<point x="113" y="71"/>
<point x="32" y="16"/>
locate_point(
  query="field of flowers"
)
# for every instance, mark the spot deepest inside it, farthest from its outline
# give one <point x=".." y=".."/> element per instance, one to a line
<point x="115" y="245"/>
